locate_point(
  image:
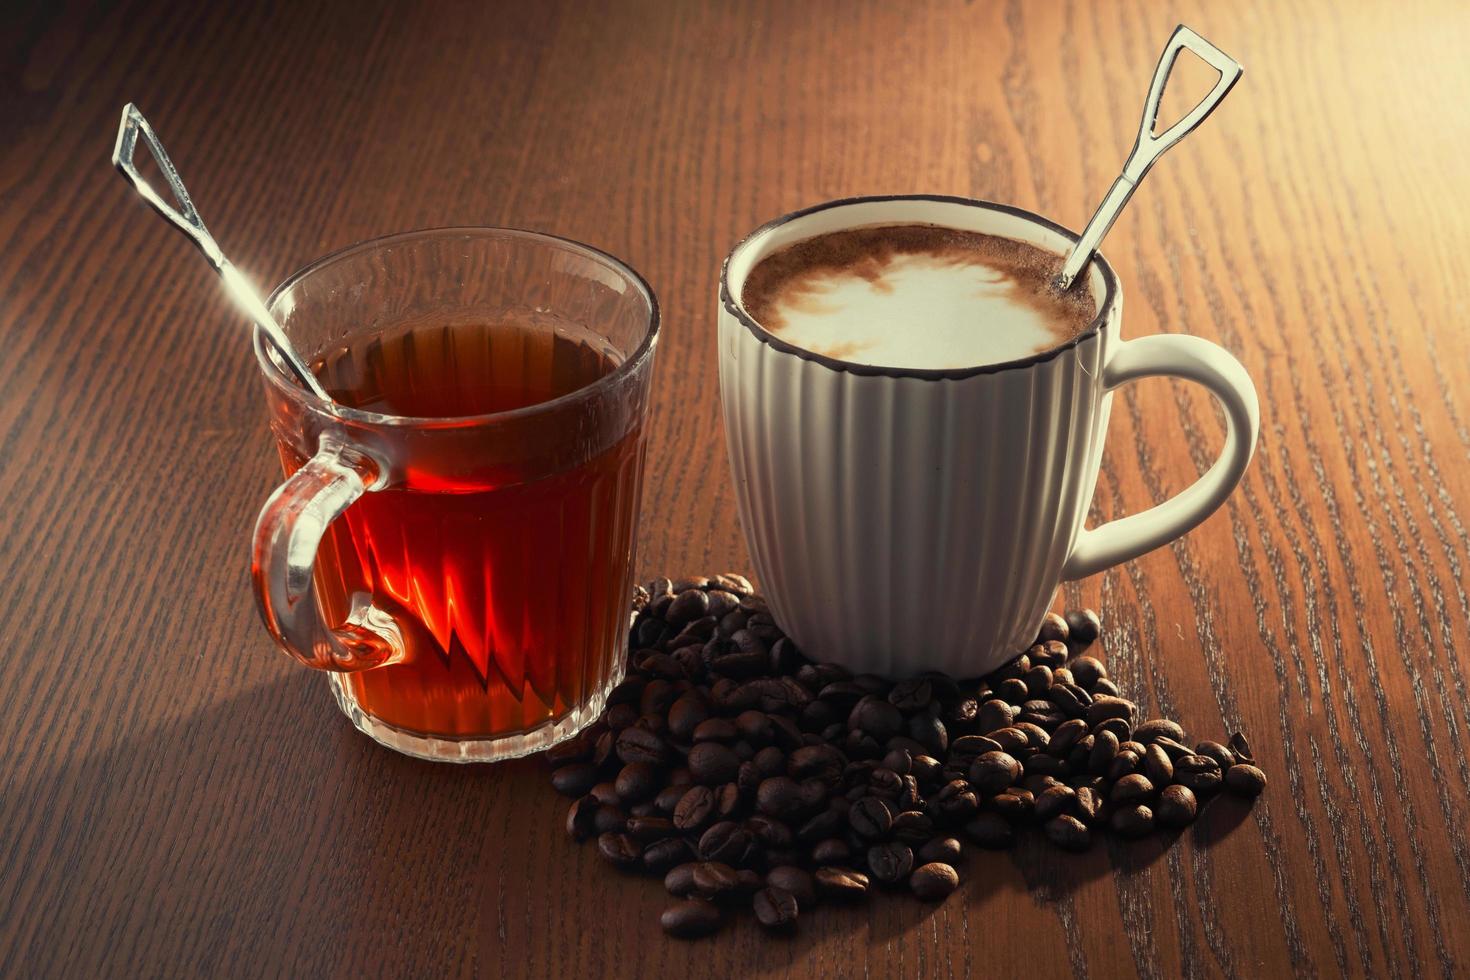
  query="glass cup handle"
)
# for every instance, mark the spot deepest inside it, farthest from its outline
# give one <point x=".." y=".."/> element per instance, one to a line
<point x="287" y="536"/>
<point x="1194" y="359"/>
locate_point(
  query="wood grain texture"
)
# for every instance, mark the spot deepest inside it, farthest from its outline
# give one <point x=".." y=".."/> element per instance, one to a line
<point x="180" y="799"/>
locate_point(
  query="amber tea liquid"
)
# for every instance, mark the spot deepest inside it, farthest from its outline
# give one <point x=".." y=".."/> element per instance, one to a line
<point x="500" y="583"/>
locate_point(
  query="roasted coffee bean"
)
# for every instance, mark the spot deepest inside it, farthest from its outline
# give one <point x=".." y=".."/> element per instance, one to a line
<point x="876" y="717"/>
<point x="690" y="919"/>
<point x="861" y="745"/>
<point x="1037" y="784"/>
<point x="911" y="695"/>
<point x="1011" y="740"/>
<point x="968" y="748"/>
<point x="1070" y="699"/>
<point x="994" y="715"/>
<point x="1223" y="756"/>
<point x="822" y="762"/>
<point x="1156" y="728"/>
<point x="1120" y="728"/>
<point x="641" y="745"/>
<point x="1087" y="671"/>
<point x="1089" y="804"/>
<point x="715" y="730"/>
<point x="646" y="830"/>
<point x="1244" y="779"/>
<point x="991" y="830"/>
<point x="1241" y="748"/>
<point x="926" y="769"/>
<point x="574" y="779"/>
<point x="662" y="855"/>
<point x="657" y="697"/>
<point x="1012" y="690"/>
<point x="714" y="880"/>
<point x="775" y="909"/>
<point x="1038" y="682"/>
<point x="885" y="783"/>
<point x="934" y="881"/>
<point x="637" y="782"/>
<point x="770" y="761"/>
<point x="1105" y="687"/>
<point x="912" y="827"/>
<point x="797" y="881"/>
<point x="1015" y="804"/>
<point x="1135" y="820"/>
<point x="1104" y="708"/>
<point x="712" y="763"/>
<point x="609" y="820"/>
<point x="900" y="761"/>
<point x="694" y="808"/>
<point x="1198" y="772"/>
<point x="644" y="809"/>
<point x="994" y="771"/>
<point x="1055" y="801"/>
<point x="1134" y="788"/>
<point x="955" y="803"/>
<point x="1083" y="627"/>
<point x="947" y="850"/>
<point x="1053" y="627"/>
<point x="1068" y="833"/>
<point x="960" y="717"/>
<point x="721" y="603"/>
<point x="890" y="863"/>
<point x="732" y="582"/>
<point x="1124" y="764"/>
<point x="1064" y="736"/>
<point x="1104" y="751"/>
<point x="781" y="797"/>
<point x="1176" y="807"/>
<point x="1157" y="765"/>
<point x="871" y="817"/>
<point x="840" y="884"/>
<point x="726" y="841"/>
<point x="685" y="715"/>
<point x="1176" y="750"/>
<point x="582" y="818"/>
<point x="929" y="732"/>
<point x="620" y="850"/>
<point x="754" y="727"/>
<point x="1037" y="738"/>
<point x="606" y="792"/>
<point x="832" y="850"/>
<point x="679" y="880"/>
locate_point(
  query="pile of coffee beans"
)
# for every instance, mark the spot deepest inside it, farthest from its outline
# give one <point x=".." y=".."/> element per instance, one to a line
<point x="746" y="775"/>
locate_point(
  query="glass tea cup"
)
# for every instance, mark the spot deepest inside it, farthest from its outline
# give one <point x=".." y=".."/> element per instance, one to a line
<point x="454" y="543"/>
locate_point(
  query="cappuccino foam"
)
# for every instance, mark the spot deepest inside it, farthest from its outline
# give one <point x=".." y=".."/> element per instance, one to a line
<point x="915" y="296"/>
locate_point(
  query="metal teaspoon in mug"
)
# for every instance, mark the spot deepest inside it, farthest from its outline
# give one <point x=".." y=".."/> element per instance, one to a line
<point x="1148" y="147"/>
<point x="186" y="219"/>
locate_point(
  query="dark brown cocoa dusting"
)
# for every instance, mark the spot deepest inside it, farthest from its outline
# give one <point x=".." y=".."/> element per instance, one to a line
<point x="797" y="275"/>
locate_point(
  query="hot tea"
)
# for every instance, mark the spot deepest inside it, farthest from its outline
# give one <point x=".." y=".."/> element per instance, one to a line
<point x="501" y="581"/>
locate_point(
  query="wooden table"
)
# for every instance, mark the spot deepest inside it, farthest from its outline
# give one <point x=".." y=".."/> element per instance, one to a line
<point x="180" y="799"/>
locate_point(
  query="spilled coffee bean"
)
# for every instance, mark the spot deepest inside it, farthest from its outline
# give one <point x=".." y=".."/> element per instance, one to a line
<point x="746" y="776"/>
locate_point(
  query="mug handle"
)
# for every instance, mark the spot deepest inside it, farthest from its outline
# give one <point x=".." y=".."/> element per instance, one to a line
<point x="1179" y="356"/>
<point x="287" y="535"/>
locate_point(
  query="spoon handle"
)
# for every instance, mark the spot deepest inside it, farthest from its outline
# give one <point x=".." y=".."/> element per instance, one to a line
<point x="1149" y="147"/>
<point x="186" y="218"/>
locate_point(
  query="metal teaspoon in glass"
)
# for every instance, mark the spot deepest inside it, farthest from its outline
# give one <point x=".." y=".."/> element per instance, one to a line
<point x="1148" y="147"/>
<point x="186" y="219"/>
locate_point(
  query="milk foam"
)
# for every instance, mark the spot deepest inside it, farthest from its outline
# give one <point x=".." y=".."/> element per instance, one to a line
<point x="901" y="301"/>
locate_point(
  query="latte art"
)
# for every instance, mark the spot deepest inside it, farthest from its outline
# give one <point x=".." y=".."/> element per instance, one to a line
<point x="915" y="296"/>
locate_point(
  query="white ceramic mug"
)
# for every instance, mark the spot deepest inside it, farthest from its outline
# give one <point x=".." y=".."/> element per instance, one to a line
<point x="902" y="520"/>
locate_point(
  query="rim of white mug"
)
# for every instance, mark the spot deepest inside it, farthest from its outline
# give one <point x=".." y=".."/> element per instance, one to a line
<point x="1112" y="291"/>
